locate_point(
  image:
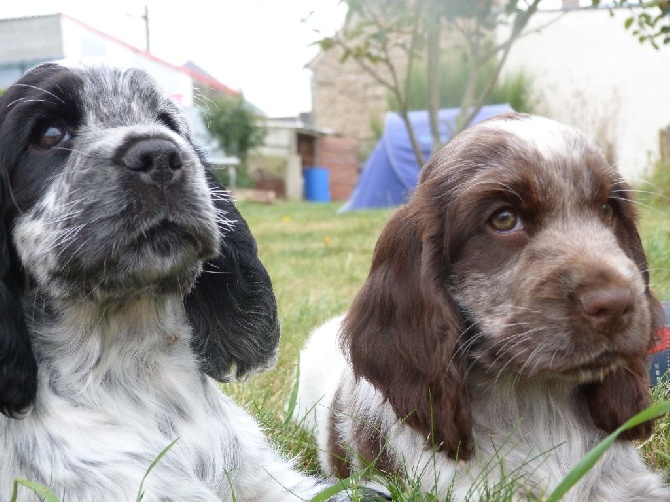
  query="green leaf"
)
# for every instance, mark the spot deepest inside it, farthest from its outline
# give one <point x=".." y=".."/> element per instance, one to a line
<point x="629" y="22"/>
<point x="342" y="485"/>
<point x="41" y="491"/>
<point x="326" y="43"/>
<point x="654" y="411"/>
<point x="329" y="492"/>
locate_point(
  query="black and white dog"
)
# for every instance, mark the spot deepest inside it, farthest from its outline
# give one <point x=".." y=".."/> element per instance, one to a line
<point x="127" y="276"/>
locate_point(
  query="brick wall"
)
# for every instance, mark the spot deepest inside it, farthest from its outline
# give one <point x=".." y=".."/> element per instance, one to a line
<point x="340" y="157"/>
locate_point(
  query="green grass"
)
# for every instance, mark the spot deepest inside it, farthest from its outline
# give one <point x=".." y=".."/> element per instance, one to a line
<point x="654" y="197"/>
<point x="318" y="259"/>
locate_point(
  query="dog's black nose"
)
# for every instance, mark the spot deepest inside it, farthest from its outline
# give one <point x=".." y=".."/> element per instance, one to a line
<point x="158" y="160"/>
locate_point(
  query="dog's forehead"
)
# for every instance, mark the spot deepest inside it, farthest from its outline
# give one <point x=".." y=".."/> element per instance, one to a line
<point x="115" y="95"/>
<point x="555" y="154"/>
<point x="522" y="158"/>
<point x="552" y="140"/>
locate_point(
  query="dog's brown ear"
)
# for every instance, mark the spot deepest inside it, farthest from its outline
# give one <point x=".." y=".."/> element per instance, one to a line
<point x="625" y="392"/>
<point x="620" y="396"/>
<point x="402" y="334"/>
<point x="232" y="306"/>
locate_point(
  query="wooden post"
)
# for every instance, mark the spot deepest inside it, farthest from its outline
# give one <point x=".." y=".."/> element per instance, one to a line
<point x="664" y="145"/>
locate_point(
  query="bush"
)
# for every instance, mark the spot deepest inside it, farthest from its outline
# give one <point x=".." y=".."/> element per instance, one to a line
<point x="655" y="191"/>
<point x="237" y="128"/>
<point x="514" y="89"/>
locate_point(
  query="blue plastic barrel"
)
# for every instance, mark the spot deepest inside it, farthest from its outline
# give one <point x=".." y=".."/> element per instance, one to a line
<point x="317" y="184"/>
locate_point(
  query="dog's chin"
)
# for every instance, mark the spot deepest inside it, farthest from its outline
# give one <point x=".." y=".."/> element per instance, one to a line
<point x="595" y="369"/>
<point x="578" y="368"/>
<point x="128" y="285"/>
<point x="166" y="245"/>
<point x="577" y="371"/>
<point x="164" y="259"/>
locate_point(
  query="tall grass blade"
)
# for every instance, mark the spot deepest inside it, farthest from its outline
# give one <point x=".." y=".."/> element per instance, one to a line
<point x="293" y="396"/>
<point x="654" y="411"/>
<point x="335" y="489"/>
<point x="140" y="492"/>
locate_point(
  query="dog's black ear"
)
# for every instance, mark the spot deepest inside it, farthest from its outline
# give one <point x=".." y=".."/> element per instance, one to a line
<point x="18" y="369"/>
<point x="232" y="307"/>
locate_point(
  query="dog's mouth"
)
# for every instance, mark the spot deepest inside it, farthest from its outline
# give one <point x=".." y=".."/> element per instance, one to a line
<point x="168" y="246"/>
<point x="167" y="238"/>
<point x="163" y="256"/>
<point x="595" y="368"/>
<point x="603" y="364"/>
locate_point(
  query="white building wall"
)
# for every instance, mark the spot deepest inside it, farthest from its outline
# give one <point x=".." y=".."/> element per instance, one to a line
<point x="589" y="71"/>
<point x="82" y="44"/>
<point x="30" y="39"/>
<point x="25" y="42"/>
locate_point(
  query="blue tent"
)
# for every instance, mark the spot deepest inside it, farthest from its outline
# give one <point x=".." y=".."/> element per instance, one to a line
<point x="391" y="172"/>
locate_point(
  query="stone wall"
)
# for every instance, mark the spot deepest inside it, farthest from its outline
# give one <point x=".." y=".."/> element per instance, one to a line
<point x="347" y="99"/>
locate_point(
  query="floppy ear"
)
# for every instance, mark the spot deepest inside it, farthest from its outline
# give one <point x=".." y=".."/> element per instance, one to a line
<point x="232" y="306"/>
<point x="625" y="392"/>
<point x="622" y="394"/>
<point x="402" y="334"/>
<point x="18" y="369"/>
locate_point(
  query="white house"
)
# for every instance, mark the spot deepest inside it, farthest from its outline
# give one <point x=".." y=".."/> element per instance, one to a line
<point x="592" y="73"/>
<point x="28" y="41"/>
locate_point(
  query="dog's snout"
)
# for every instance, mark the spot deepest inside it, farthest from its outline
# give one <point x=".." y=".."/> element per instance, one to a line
<point x="607" y="309"/>
<point x="158" y="159"/>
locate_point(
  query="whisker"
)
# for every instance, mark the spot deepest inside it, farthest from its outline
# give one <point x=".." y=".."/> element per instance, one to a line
<point x="39" y="89"/>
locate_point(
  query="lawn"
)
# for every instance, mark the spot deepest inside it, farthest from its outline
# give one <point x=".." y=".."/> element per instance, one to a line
<point x="318" y="259"/>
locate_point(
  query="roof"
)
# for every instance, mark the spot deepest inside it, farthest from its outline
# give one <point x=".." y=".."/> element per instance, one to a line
<point x="197" y="74"/>
<point x="299" y="125"/>
<point x="202" y="77"/>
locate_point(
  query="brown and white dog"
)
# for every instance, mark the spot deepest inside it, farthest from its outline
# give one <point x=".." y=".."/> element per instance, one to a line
<point x="502" y="331"/>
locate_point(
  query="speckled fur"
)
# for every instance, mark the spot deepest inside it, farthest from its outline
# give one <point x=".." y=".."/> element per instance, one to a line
<point x="467" y="360"/>
<point x="102" y="262"/>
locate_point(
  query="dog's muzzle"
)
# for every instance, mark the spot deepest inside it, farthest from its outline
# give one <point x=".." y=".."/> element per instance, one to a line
<point x="156" y="161"/>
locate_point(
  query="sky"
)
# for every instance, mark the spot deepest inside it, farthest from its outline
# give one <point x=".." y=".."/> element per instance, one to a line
<point x="260" y="47"/>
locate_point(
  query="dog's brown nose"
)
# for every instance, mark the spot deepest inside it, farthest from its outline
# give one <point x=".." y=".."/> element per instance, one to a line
<point x="607" y="309"/>
<point x="158" y="160"/>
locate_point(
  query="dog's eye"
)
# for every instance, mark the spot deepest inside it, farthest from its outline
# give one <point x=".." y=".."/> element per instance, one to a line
<point x="608" y="211"/>
<point x="505" y="220"/>
<point x="52" y="135"/>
